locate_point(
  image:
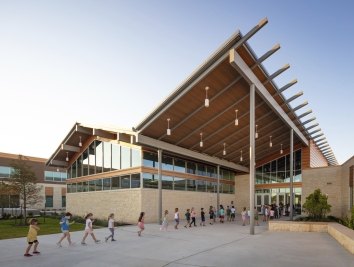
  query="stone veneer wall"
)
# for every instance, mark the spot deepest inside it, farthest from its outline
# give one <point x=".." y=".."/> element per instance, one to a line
<point x="242" y="191"/>
<point x="182" y="200"/>
<point x="124" y="203"/>
<point x="127" y="204"/>
<point x="345" y="185"/>
<point x="329" y="180"/>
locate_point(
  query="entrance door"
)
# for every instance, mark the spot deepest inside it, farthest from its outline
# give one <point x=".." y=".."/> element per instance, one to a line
<point x="262" y="199"/>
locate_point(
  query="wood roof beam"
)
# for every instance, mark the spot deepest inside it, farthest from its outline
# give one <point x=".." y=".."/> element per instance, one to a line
<point x="70" y="148"/>
<point x="238" y="63"/>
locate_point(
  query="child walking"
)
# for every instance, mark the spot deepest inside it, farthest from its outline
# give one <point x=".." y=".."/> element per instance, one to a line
<point x="164" y="224"/>
<point x="188" y="218"/>
<point x="193" y="215"/>
<point x="222" y="213"/>
<point x="202" y="216"/>
<point x="110" y="227"/>
<point x="64" y="226"/>
<point x="32" y="238"/>
<point x="176" y="218"/>
<point x="141" y="223"/>
<point x="244" y="216"/>
<point x="89" y="229"/>
<point x="211" y="215"/>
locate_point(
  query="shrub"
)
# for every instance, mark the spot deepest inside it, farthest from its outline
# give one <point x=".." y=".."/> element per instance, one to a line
<point x="316" y="205"/>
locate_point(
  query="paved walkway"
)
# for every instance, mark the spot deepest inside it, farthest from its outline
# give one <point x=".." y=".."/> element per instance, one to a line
<point x="218" y="245"/>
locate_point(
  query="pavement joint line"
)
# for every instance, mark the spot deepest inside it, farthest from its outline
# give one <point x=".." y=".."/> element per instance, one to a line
<point x="205" y="250"/>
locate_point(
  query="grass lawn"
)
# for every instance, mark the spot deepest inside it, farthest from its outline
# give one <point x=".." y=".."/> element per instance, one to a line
<point x="8" y="229"/>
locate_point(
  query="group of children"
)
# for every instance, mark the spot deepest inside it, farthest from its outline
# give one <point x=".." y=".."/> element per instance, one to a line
<point x="190" y="217"/>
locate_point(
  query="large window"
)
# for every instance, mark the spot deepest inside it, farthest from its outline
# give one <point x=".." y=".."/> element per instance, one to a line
<point x="135" y="180"/>
<point x="125" y="157"/>
<point x="115" y="157"/>
<point x="99" y="156"/>
<point x="5" y="172"/>
<point x="107" y="156"/>
<point x="150" y="180"/>
<point x="167" y="182"/>
<point x="150" y="159"/>
<point x="278" y="170"/>
<point x="63" y="201"/>
<point x="49" y="201"/>
<point x="55" y="176"/>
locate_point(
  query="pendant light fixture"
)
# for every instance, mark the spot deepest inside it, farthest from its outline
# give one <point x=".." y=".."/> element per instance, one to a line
<point x="224" y="151"/>
<point x="168" y="127"/>
<point x="241" y="158"/>
<point x="201" y="140"/>
<point x="80" y="142"/>
<point x="206" y="102"/>
<point x="256" y="135"/>
<point x="67" y="156"/>
<point x="281" y="149"/>
<point x="270" y="141"/>
<point x="236" y="119"/>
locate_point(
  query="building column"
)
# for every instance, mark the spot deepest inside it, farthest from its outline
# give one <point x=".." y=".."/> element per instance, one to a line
<point x="291" y="173"/>
<point x="159" y="185"/>
<point x="252" y="155"/>
<point x="218" y="189"/>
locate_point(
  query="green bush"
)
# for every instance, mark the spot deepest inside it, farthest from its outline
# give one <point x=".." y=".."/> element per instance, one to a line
<point x="316" y="205"/>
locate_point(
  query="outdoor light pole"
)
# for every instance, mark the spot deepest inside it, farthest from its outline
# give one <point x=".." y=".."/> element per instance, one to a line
<point x="252" y="155"/>
<point x="159" y="185"/>
<point x="291" y="172"/>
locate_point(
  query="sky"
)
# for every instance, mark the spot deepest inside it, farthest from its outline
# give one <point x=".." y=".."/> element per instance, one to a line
<point x="112" y="62"/>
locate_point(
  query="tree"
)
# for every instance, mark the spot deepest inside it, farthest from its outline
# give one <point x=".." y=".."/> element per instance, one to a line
<point x="316" y="205"/>
<point x="24" y="182"/>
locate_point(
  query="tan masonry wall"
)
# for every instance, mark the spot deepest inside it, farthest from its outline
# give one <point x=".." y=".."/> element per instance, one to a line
<point x="127" y="204"/>
<point x="329" y="180"/>
<point x="181" y="200"/>
<point x="124" y="203"/>
<point x="242" y="192"/>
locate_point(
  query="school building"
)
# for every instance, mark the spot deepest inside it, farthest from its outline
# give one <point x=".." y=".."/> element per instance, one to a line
<point x="50" y="179"/>
<point x="226" y="134"/>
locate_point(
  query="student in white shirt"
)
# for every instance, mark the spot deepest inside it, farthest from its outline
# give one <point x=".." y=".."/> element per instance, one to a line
<point x="111" y="227"/>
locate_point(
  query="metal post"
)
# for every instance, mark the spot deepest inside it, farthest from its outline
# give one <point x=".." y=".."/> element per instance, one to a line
<point x="159" y="168"/>
<point x="252" y="155"/>
<point x="218" y="189"/>
<point x="291" y="172"/>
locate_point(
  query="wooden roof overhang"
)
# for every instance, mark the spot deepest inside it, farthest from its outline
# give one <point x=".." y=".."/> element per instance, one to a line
<point x="83" y="134"/>
<point x="229" y="91"/>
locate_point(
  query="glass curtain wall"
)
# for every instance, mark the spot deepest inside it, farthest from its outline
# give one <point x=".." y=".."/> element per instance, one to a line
<point x="104" y="157"/>
<point x="278" y="170"/>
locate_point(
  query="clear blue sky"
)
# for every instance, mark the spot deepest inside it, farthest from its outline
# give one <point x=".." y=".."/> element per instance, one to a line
<point x="112" y="62"/>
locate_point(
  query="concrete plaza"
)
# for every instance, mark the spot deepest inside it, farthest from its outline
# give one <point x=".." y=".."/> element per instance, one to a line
<point x="226" y="244"/>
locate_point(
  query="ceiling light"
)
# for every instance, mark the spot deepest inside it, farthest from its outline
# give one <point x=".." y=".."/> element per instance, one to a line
<point x="168" y="127"/>
<point x="206" y="102"/>
<point x="224" y="151"/>
<point x="241" y="158"/>
<point x="201" y="140"/>
<point x="236" y="119"/>
<point x="256" y="135"/>
<point x="270" y="141"/>
<point x="67" y="156"/>
<point x="80" y="143"/>
<point x="281" y="149"/>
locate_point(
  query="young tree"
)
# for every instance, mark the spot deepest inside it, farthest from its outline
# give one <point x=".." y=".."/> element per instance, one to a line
<point x="24" y="182"/>
<point x="316" y="205"/>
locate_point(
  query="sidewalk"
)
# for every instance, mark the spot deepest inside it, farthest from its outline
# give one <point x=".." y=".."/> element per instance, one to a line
<point x="227" y="244"/>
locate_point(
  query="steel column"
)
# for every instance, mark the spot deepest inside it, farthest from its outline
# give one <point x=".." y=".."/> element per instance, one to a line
<point x="218" y="189"/>
<point x="159" y="173"/>
<point x="291" y="173"/>
<point x="252" y="155"/>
